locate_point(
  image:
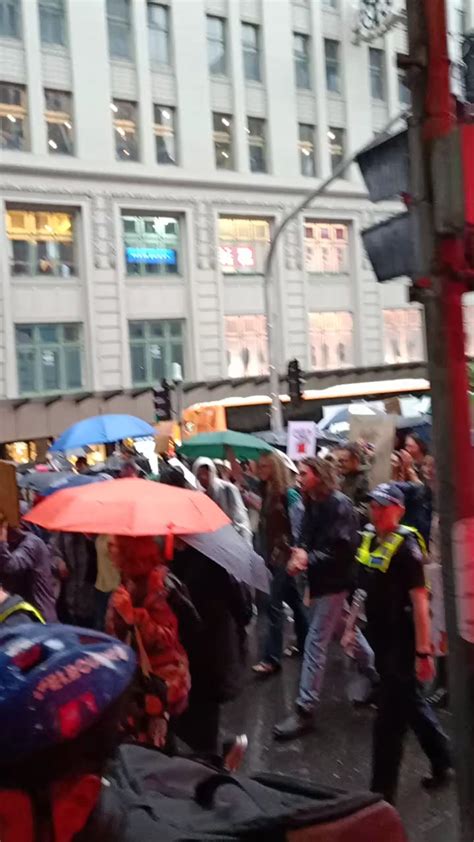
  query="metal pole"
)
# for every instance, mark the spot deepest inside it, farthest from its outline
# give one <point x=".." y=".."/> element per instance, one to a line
<point x="433" y="117"/>
<point x="276" y="415"/>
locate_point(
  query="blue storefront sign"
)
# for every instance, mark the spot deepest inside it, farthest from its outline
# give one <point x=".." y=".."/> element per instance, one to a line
<point x="151" y="255"/>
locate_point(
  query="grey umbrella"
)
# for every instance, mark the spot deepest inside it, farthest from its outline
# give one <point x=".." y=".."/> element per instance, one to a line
<point x="230" y="551"/>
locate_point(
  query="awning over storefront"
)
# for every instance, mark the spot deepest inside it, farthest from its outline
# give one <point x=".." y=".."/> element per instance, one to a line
<point x="25" y="419"/>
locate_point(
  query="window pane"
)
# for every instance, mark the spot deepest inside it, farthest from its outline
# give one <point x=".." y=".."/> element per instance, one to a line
<point x="152" y="246"/>
<point x="137" y="354"/>
<point x="12" y="116"/>
<point x="256" y="133"/>
<point x="243" y="245"/>
<point x="216" y="46"/>
<point x="176" y="328"/>
<point x="403" y="335"/>
<point x="26" y="371"/>
<point x="333" y="82"/>
<point x="336" y="146"/>
<point x="48" y="333"/>
<point x="119" y="26"/>
<point x="125" y="130"/>
<point x="326" y="247"/>
<point x="331" y="339"/>
<point x="24" y="334"/>
<point x="50" y="371"/>
<point x="251" y="52"/>
<point x="156" y="329"/>
<point x="71" y="333"/>
<point x="164" y="129"/>
<point x="302" y="64"/>
<point x="72" y="366"/>
<point x="377" y="73"/>
<point x="52" y="22"/>
<point x="158" y="33"/>
<point x="246" y="346"/>
<point x="223" y="141"/>
<point x="137" y="330"/>
<point x="157" y="361"/>
<point x="306" y="147"/>
<point x="9" y="19"/>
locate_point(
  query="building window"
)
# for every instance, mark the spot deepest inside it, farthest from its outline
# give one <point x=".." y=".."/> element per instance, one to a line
<point x="59" y="122"/>
<point x="243" y="245"/>
<point x="52" y="22"/>
<point x="41" y="243"/>
<point x="403" y="335"/>
<point x="330" y="4"/>
<point x="331" y="340"/>
<point x="164" y="128"/>
<point x="246" y="346"/>
<point x="302" y="62"/>
<point x="10" y="21"/>
<point x="159" y="33"/>
<point x="49" y="358"/>
<point x="125" y="130"/>
<point x="151" y="244"/>
<point x="336" y="146"/>
<point x="326" y="248"/>
<point x="404" y="94"/>
<point x="120" y="28"/>
<point x="251" y="52"/>
<point x="257" y="144"/>
<point x="222" y="124"/>
<point x="377" y="74"/>
<point x="216" y="46"/>
<point x="333" y="68"/>
<point x="306" y="149"/>
<point x="12" y="116"/>
<point x="154" y="347"/>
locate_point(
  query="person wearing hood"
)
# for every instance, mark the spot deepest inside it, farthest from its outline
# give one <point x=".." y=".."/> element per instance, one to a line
<point x="226" y="495"/>
<point x="26" y="569"/>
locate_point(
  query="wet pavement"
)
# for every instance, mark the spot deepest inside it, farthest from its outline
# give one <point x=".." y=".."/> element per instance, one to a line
<point x="338" y="752"/>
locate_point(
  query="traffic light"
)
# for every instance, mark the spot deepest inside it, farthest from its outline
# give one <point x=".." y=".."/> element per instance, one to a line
<point x="295" y="382"/>
<point x="162" y="401"/>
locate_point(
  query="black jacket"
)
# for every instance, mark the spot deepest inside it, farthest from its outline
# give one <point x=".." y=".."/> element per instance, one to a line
<point x="329" y="535"/>
<point x="217" y="647"/>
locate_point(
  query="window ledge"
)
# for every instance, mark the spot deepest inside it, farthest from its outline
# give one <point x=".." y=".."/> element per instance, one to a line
<point x="162" y="69"/>
<point x="55" y="50"/>
<point x="334" y="97"/>
<point x="334" y="277"/>
<point x="123" y="62"/>
<point x="216" y="77"/>
<point x="50" y="280"/>
<point x="252" y="83"/>
<point x="133" y="279"/>
<point x="10" y="41"/>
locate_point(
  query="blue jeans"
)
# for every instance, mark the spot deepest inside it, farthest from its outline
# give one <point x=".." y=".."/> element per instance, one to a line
<point x="283" y="589"/>
<point x="326" y="621"/>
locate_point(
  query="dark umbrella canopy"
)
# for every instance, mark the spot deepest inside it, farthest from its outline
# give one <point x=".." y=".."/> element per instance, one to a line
<point x="226" y="547"/>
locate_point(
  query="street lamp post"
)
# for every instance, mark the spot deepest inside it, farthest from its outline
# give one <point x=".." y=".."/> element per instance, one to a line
<point x="177" y="378"/>
<point x="276" y="415"/>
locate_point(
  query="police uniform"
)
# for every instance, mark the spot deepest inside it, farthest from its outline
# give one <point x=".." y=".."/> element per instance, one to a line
<point x="388" y="571"/>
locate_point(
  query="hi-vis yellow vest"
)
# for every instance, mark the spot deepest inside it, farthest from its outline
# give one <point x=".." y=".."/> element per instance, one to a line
<point x="21" y="606"/>
<point x="380" y="558"/>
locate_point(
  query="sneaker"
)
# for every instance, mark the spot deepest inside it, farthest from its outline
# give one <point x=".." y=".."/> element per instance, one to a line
<point x="234" y="752"/>
<point x="296" y="725"/>
<point x="438" y="780"/>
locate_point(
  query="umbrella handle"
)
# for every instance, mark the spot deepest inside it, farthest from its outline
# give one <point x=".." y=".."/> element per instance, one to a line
<point x="169" y="543"/>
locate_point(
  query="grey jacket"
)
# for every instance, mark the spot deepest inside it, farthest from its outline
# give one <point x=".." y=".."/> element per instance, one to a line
<point x="227" y="497"/>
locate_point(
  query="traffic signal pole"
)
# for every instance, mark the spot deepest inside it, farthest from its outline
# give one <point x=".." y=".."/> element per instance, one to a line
<point x="434" y="118"/>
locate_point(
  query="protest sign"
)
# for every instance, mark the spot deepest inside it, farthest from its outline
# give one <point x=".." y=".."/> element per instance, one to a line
<point x="301" y="442"/>
<point x="378" y="431"/>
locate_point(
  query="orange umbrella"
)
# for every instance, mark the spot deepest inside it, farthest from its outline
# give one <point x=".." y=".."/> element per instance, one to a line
<point x="128" y="507"/>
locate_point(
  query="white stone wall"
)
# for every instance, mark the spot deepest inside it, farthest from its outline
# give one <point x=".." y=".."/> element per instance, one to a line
<point x="99" y="187"/>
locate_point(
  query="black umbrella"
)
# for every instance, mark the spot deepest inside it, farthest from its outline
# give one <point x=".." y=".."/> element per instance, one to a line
<point x="228" y="549"/>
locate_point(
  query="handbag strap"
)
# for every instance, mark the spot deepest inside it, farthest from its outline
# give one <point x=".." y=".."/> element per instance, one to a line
<point x="143" y="659"/>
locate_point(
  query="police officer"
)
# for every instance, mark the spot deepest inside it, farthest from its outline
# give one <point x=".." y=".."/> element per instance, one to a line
<point x="390" y="570"/>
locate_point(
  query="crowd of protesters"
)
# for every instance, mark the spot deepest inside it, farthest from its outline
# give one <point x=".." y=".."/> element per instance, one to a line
<point x="188" y="619"/>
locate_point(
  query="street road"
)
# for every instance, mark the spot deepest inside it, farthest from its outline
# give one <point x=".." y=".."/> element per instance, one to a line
<point x="338" y="752"/>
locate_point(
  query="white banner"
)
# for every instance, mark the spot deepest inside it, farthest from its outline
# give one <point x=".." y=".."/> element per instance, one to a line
<point x="301" y="442"/>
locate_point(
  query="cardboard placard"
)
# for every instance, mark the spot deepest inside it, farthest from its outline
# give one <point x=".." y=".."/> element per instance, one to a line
<point x="301" y="440"/>
<point x="9" y="497"/>
<point x="378" y="430"/>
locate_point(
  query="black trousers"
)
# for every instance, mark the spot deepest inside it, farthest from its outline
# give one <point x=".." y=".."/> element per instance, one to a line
<point x="198" y="726"/>
<point x="401" y="706"/>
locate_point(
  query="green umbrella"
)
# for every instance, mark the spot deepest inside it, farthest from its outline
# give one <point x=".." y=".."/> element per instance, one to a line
<point x="217" y="445"/>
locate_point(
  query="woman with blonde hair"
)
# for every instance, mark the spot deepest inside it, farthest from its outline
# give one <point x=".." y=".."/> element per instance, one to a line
<point x="281" y="512"/>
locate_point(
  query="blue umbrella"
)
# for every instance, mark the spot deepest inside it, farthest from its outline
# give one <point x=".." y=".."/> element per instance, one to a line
<point x="228" y="549"/>
<point x="102" y="429"/>
<point x="74" y="480"/>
